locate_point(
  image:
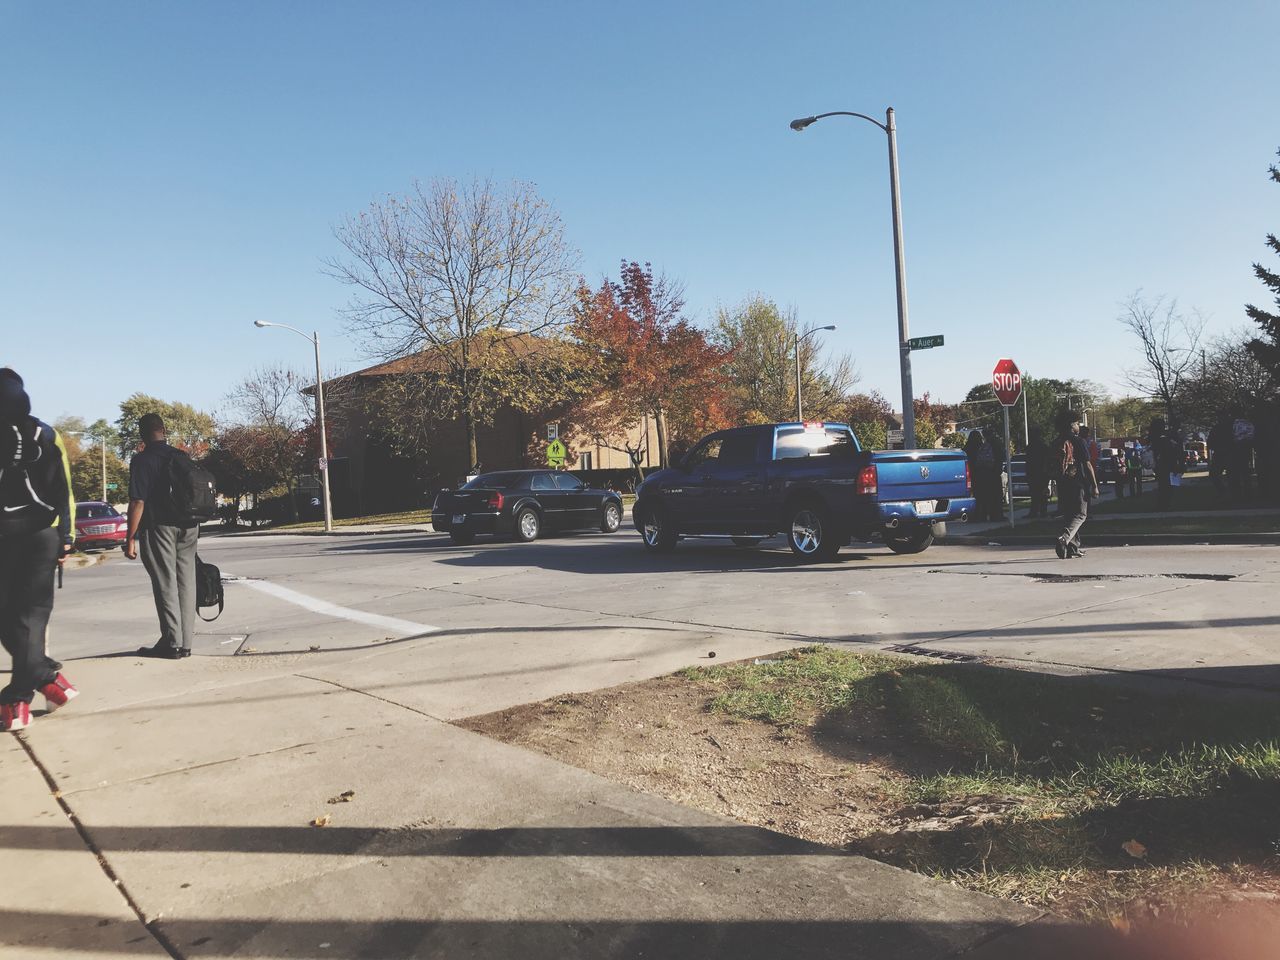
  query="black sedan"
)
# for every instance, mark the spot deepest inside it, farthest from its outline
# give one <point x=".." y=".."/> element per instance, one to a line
<point x="523" y="503"/>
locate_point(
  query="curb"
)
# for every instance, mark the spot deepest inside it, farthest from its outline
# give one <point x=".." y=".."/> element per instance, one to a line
<point x="1118" y="539"/>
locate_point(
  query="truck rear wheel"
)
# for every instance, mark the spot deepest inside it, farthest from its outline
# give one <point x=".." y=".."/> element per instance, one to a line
<point x="917" y="541"/>
<point x="811" y="533"/>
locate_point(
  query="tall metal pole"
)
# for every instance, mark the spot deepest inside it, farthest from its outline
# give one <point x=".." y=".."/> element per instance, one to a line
<point x="103" y="443"/>
<point x="1008" y="467"/>
<point x="324" y="439"/>
<point x="799" y="404"/>
<point x="899" y="262"/>
<point x="1026" y="422"/>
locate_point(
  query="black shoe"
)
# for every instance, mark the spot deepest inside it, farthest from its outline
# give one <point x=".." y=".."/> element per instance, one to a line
<point x="1073" y="551"/>
<point x="163" y="651"/>
<point x="1060" y="548"/>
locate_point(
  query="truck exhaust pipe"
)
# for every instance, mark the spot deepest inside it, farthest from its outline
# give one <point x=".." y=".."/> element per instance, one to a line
<point x="892" y="524"/>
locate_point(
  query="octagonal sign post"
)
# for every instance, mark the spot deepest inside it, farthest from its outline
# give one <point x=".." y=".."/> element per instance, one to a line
<point x="1006" y="381"/>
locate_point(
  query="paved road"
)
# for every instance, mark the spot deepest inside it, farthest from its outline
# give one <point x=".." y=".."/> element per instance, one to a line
<point x="185" y="789"/>
<point x="1206" y="613"/>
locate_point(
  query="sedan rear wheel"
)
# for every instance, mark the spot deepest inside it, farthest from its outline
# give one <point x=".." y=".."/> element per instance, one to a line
<point x="610" y="518"/>
<point x="528" y="525"/>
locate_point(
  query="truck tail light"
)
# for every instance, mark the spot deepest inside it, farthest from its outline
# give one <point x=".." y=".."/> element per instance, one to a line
<point x="495" y="501"/>
<point x="968" y="481"/>
<point x="868" y="482"/>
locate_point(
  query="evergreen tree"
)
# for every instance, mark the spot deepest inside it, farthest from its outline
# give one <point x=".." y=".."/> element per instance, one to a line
<point x="1267" y="348"/>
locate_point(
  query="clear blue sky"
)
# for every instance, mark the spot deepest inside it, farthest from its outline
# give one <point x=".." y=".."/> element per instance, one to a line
<point x="170" y="171"/>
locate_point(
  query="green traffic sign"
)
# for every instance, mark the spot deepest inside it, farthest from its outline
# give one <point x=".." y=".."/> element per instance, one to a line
<point x="924" y="343"/>
<point x="556" y="453"/>
<point x="113" y="486"/>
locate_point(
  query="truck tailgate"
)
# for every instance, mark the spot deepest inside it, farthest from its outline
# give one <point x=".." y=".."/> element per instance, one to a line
<point x="920" y="475"/>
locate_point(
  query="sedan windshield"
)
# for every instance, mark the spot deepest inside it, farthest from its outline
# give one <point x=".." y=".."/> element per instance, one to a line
<point x="95" y="511"/>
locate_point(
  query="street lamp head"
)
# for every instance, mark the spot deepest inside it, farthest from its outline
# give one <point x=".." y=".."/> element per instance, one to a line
<point x="829" y="327"/>
<point x="261" y="323"/>
<point x="798" y="125"/>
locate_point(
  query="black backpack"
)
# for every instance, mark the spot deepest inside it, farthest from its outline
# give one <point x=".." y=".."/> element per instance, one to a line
<point x="208" y="588"/>
<point x="191" y="489"/>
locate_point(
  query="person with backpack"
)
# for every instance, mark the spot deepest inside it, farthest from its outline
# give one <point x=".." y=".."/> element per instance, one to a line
<point x="169" y="496"/>
<point x="1077" y="483"/>
<point x="37" y="533"/>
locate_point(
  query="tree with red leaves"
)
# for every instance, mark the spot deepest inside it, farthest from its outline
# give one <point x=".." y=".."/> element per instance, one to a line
<point x="649" y="361"/>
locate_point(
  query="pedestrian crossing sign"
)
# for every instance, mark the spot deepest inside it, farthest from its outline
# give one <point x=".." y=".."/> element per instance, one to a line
<point x="556" y="453"/>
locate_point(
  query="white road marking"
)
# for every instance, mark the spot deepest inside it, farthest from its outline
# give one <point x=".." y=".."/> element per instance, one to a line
<point x="404" y="628"/>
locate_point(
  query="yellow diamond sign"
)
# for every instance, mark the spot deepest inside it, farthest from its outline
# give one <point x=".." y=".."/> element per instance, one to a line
<point x="556" y="453"/>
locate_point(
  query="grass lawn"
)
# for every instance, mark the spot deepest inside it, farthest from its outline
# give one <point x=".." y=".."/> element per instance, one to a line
<point x="410" y="516"/>
<point x="1077" y="790"/>
<point x="1157" y="524"/>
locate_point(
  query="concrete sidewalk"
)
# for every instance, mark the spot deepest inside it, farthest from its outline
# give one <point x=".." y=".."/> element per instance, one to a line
<point x="194" y="784"/>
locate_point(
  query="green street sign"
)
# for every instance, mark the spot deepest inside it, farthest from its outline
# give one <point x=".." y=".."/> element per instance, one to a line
<point x="113" y="486"/>
<point x="924" y="343"/>
<point x="556" y="453"/>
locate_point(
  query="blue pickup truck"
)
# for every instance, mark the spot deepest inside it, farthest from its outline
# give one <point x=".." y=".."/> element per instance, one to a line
<point x="812" y="482"/>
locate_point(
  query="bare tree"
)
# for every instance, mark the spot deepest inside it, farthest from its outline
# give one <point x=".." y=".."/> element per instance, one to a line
<point x="272" y="416"/>
<point x="449" y="268"/>
<point x="1170" y="343"/>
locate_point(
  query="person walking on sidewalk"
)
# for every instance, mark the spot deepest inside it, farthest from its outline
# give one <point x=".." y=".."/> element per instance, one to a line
<point x="1133" y="468"/>
<point x="1077" y="483"/>
<point x="36" y="534"/>
<point x="1167" y="454"/>
<point x="168" y="540"/>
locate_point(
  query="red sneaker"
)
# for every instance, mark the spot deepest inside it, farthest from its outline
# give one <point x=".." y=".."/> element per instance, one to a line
<point x="57" y="693"/>
<point x="15" y="716"/>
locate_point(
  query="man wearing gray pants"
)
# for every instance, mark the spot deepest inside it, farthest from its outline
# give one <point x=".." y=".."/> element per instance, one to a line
<point x="168" y="541"/>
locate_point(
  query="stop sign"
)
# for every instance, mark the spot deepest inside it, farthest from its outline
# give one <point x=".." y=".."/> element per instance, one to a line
<point x="1006" y="380"/>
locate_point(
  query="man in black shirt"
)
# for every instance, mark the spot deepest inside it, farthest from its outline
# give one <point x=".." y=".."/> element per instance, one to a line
<point x="168" y="541"/>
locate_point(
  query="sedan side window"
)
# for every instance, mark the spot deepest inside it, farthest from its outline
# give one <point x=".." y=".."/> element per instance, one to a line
<point x="542" y="481"/>
<point x="568" y="482"/>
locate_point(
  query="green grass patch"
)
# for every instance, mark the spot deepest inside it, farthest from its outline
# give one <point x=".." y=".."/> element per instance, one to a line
<point x="1076" y="766"/>
<point x="407" y="516"/>
<point x="1157" y="524"/>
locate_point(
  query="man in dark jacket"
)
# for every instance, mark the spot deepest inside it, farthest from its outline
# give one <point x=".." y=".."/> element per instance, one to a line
<point x="1077" y="483"/>
<point x="37" y="530"/>
<point x="1038" y="473"/>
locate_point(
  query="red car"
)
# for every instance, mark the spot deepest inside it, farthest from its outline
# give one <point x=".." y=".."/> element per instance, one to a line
<point x="99" y="525"/>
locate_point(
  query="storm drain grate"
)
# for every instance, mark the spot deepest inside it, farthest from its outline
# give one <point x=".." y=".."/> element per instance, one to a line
<point x="916" y="651"/>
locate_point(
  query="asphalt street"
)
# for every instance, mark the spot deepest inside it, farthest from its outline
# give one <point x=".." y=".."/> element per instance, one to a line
<point x="1204" y="613"/>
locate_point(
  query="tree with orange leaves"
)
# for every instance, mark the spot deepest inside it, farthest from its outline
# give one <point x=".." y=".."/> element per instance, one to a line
<point x="649" y="361"/>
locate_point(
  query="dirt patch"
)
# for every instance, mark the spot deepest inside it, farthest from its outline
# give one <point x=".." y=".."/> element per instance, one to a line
<point x="861" y="778"/>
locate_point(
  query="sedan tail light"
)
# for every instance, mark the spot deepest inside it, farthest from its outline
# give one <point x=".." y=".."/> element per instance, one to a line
<point x="495" y="501"/>
<point x="868" y="481"/>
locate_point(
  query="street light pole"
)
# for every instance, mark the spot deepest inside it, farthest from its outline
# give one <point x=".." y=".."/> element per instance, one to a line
<point x="799" y="339"/>
<point x="324" y="440"/>
<point x="890" y="129"/>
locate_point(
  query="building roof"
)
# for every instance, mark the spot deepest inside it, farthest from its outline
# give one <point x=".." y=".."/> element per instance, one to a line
<point x="435" y="359"/>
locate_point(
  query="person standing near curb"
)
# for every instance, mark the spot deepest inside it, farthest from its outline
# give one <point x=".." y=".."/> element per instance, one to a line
<point x="168" y="540"/>
<point x="36" y="535"/>
<point x="1077" y="483"/>
<point x="1037" y="461"/>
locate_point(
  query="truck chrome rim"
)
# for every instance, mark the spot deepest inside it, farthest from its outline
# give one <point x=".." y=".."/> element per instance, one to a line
<point x="611" y="517"/>
<point x="806" y="531"/>
<point x="528" y="525"/>
<point x="652" y="531"/>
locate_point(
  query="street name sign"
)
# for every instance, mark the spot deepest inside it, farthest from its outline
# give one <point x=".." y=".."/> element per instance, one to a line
<point x="924" y="343"/>
<point x="556" y="452"/>
<point x="1006" y="380"/>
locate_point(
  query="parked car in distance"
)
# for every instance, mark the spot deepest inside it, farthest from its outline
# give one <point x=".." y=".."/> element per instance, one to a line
<point x="99" y="525"/>
<point x="524" y="503"/>
<point x="1018" y="467"/>
<point x="1111" y="467"/>
<point x="810" y="482"/>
